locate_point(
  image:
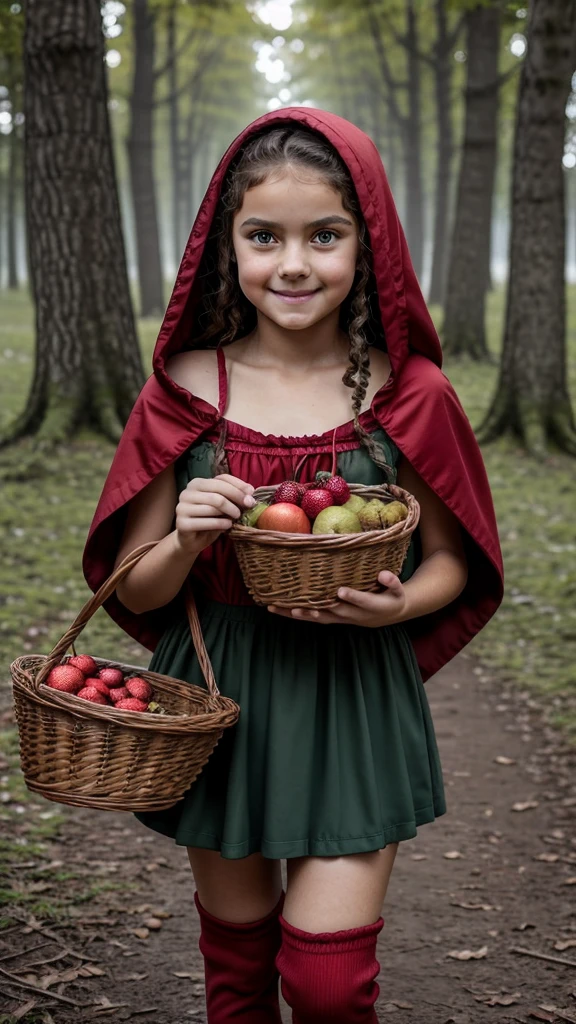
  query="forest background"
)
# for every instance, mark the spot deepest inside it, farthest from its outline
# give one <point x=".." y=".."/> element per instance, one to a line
<point x="113" y="117"/>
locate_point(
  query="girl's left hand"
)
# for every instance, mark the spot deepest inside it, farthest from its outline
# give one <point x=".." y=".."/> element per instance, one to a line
<point x="357" y="608"/>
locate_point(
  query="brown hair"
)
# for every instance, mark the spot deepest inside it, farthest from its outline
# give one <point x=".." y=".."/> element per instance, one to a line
<point x="225" y="313"/>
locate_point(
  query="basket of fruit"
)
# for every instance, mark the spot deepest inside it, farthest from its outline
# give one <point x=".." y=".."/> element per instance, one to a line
<point x="301" y="542"/>
<point x="100" y="733"/>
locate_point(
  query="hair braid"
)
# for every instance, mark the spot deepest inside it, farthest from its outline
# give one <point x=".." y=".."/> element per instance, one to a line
<point x="357" y="375"/>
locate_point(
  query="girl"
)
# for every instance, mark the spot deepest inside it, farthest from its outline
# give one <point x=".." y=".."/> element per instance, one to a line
<point x="296" y="309"/>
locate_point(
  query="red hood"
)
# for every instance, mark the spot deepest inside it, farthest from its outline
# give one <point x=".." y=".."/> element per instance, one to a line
<point x="420" y="411"/>
<point x="406" y="320"/>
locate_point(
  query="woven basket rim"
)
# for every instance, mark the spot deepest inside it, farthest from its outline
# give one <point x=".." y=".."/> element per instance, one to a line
<point x="366" y="538"/>
<point x="185" y="722"/>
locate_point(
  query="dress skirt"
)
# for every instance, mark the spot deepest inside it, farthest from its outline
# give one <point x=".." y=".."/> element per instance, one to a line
<point x="334" y="751"/>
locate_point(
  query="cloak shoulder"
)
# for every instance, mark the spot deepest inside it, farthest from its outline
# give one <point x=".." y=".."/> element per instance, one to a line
<point x="161" y="426"/>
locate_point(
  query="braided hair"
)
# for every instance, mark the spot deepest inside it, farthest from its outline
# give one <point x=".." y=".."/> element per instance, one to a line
<point x="224" y="313"/>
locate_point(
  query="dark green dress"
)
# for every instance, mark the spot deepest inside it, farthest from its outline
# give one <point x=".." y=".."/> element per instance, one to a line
<point x="334" y="751"/>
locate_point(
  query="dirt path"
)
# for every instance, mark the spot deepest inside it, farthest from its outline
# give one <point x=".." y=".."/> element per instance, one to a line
<point x="509" y="881"/>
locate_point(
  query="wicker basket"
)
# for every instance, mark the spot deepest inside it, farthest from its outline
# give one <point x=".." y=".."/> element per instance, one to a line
<point x="295" y="570"/>
<point x="90" y="755"/>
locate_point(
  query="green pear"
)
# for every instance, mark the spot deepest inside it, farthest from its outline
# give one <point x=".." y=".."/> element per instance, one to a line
<point x="336" y="519"/>
<point x="354" y="503"/>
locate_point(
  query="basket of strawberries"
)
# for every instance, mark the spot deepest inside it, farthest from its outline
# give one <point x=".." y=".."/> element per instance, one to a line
<point x="302" y="542"/>
<point x="100" y="733"/>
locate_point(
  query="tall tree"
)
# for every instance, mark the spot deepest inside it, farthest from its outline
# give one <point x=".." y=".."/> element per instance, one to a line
<point x="88" y="365"/>
<point x="408" y="120"/>
<point x="140" y="145"/>
<point x="442" y="62"/>
<point x="532" y="400"/>
<point x="11" y="34"/>
<point x="464" y="328"/>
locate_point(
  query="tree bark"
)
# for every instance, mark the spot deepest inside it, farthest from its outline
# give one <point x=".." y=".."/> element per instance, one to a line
<point x="443" y="63"/>
<point x="88" y="366"/>
<point x="531" y="400"/>
<point x="464" y="331"/>
<point x="141" y="163"/>
<point x="413" y="146"/>
<point x="12" y="209"/>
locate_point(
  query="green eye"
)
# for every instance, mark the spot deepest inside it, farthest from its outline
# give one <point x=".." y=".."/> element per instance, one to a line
<point x="326" y="237"/>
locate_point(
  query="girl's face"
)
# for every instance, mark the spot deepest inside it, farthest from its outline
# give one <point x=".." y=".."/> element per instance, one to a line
<point x="296" y="248"/>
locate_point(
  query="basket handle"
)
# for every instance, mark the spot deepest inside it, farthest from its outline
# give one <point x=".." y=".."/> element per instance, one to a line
<point x="97" y="600"/>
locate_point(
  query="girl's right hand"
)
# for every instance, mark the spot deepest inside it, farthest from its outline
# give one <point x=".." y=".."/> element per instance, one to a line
<point x="209" y="507"/>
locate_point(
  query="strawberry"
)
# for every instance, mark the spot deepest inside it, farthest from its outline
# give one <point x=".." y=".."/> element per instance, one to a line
<point x="111" y="676"/>
<point x="315" y="501"/>
<point x="67" y="678"/>
<point x="139" y="688"/>
<point x="92" y="694"/>
<point x="119" y="693"/>
<point x="289" y="491"/>
<point x="338" y="488"/>
<point x="85" y="663"/>
<point x="98" y="684"/>
<point x="131" y="704"/>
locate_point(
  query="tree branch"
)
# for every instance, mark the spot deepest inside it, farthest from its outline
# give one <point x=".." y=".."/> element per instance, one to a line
<point x="203" y="64"/>
<point x="170" y="61"/>
<point x="387" y="77"/>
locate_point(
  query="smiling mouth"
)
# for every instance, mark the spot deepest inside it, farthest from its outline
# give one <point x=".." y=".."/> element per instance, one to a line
<point x="295" y="296"/>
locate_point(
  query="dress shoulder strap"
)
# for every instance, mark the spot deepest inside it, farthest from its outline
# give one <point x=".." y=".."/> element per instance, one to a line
<point x="222" y="382"/>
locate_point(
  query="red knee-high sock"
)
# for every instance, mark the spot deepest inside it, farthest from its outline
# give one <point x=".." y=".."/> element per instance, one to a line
<point x="239" y="967"/>
<point x="330" y="976"/>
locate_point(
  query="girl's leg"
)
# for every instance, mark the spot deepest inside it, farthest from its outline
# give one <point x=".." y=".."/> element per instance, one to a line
<point x="330" y="925"/>
<point x="239" y="902"/>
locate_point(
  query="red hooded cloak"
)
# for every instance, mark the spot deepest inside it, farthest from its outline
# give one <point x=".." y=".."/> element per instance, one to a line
<point x="420" y="411"/>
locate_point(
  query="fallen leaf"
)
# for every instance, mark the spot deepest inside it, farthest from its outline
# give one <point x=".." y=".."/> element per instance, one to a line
<point x="504" y="760"/>
<point x="23" y="1010"/>
<point x="569" y="881"/>
<point x="548" y="858"/>
<point x="419" y="856"/>
<point x="153" y="923"/>
<point x="542" y="1015"/>
<point x="527" y="805"/>
<point x="504" y="1000"/>
<point x="473" y="906"/>
<point x="522" y="927"/>
<point x="563" y="944"/>
<point x="468" y="954"/>
<point x="140" y="933"/>
<point x="188" y="974"/>
<point x="453" y="855"/>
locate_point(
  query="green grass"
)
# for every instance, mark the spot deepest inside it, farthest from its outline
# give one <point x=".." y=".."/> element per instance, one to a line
<point x="45" y="515"/>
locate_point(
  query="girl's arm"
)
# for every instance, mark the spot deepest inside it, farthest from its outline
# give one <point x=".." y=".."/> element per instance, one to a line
<point x="201" y="513"/>
<point x="439" y="579"/>
<point x="443" y="571"/>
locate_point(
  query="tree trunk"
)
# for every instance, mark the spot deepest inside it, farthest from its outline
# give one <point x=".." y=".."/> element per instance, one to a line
<point x="464" y="331"/>
<point x="88" y="366"/>
<point x="532" y="400"/>
<point x="12" y="209"/>
<point x="176" y="149"/>
<point x="444" y="149"/>
<point x="413" y="147"/>
<point x="141" y="162"/>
